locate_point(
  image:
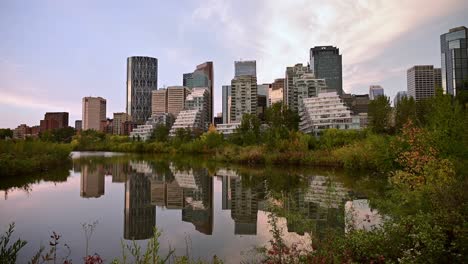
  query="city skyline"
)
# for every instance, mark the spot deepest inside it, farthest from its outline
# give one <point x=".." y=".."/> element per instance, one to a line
<point x="53" y="56"/>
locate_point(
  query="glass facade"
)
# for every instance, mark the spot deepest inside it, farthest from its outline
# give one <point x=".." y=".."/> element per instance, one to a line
<point x="326" y="63"/>
<point x="142" y="79"/>
<point x="454" y="56"/>
<point x="242" y="68"/>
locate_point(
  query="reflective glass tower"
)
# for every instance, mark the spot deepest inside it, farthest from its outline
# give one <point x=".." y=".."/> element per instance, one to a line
<point x="142" y="79"/>
<point x="326" y="63"/>
<point x="454" y="55"/>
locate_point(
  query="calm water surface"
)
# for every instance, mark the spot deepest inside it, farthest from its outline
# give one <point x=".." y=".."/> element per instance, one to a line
<point x="201" y="208"/>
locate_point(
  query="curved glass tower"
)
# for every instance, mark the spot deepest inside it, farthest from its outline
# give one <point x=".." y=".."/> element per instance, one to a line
<point x="142" y="79"/>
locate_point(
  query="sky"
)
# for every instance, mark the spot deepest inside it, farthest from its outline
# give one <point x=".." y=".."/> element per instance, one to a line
<point x="55" y="52"/>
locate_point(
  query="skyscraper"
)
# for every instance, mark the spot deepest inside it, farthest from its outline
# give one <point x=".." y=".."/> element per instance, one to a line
<point x="242" y="68"/>
<point x="454" y="55"/>
<point x="176" y="99"/>
<point x="226" y="103"/>
<point x="326" y="63"/>
<point x="421" y="80"/>
<point x="94" y="111"/>
<point x="243" y="97"/>
<point x="290" y="93"/>
<point x="159" y="101"/>
<point x="203" y="76"/>
<point x="374" y="91"/>
<point x="142" y="79"/>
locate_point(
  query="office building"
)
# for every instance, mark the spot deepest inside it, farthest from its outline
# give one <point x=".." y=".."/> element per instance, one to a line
<point x="94" y="111"/>
<point x="454" y="56"/>
<point x="78" y="125"/>
<point x="374" y="91"/>
<point x="421" y="80"/>
<point x="242" y="68"/>
<point x="398" y="97"/>
<point x="275" y="92"/>
<point x="106" y="126"/>
<point x="326" y="111"/>
<point x="203" y="76"/>
<point x="118" y="123"/>
<point x="142" y="79"/>
<point x="218" y="119"/>
<point x="226" y="103"/>
<point x="159" y="101"/>
<point x="243" y="97"/>
<point x="176" y="99"/>
<point x="290" y="93"/>
<point x="54" y="121"/>
<point x="326" y="63"/>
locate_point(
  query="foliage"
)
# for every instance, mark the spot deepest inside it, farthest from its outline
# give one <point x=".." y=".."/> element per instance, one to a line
<point x="379" y="114"/>
<point x="405" y="110"/>
<point x="6" y="133"/>
<point x="59" y="135"/>
<point x="160" y="133"/>
<point x="9" y="252"/>
<point x="22" y="157"/>
<point x="248" y="132"/>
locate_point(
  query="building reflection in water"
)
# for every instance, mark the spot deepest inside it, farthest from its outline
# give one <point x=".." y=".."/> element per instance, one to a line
<point x="243" y="201"/>
<point x="92" y="181"/>
<point x="139" y="213"/>
<point x="322" y="203"/>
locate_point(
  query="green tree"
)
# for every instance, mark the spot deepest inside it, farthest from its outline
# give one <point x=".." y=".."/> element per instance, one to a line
<point x="405" y="110"/>
<point x="160" y="133"/>
<point x="379" y="114"/>
<point x="6" y="133"/>
<point x="249" y="130"/>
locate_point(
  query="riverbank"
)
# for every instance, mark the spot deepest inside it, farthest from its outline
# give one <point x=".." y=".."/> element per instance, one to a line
<point x="31" y="156"/>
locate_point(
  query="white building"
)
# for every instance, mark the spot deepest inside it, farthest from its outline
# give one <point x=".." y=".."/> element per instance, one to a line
<point x="143" y="132"/>
<point x="227" y="129"/>
<point x="326" y="111"/>
<point x="191" y="119"/>
<point x="308" y="86"/>
<point x="199" y="99"/>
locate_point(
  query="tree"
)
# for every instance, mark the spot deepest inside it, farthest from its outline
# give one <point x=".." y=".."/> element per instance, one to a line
<point x="160" y="133"/>
<point x="405" y="110"/>
<point x="249" y="130"/>
<point x="379" y="114"/>
<point x="6" y="133"/>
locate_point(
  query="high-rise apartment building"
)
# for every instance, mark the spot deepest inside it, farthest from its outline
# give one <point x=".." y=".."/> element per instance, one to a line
<point x="454" y="55"/>
<point x="142" y="79"/>
<point x="374" y="91"/>
<point x="308" y="86"/>
<point x="203" y="76"/>
<point x="176" y="99"/>
<point x="159" y="101"/>
<point x="94" y="111"/>
<point x="242" y="68"/>
<point x="226" y="103"/>
<point x="118" y="123"/>
<point x="421" y="80"/>
<point x="243" y="97"/>
<point x="326" y="63"/>
<point x="54" y="120"/>
<point x="290" y="94"/>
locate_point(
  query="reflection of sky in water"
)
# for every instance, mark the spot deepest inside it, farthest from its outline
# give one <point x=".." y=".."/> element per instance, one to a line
<point x="88" y="195"/>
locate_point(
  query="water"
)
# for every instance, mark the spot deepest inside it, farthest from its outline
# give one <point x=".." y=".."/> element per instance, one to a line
<point x="202" y="209"/>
